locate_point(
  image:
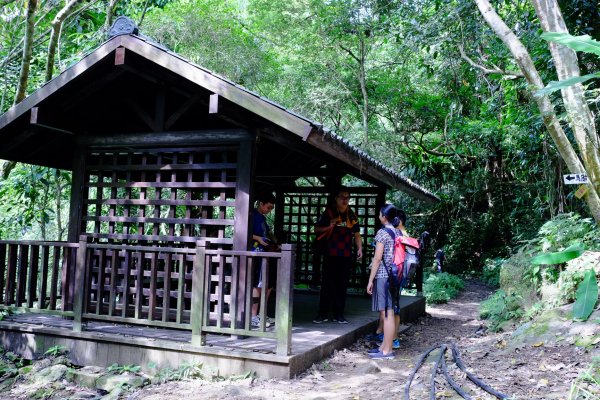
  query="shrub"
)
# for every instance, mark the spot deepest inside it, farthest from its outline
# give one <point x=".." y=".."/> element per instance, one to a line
<point x="491" y="271"/>
<point x="499" y="308"/>
<point x="439" y="288"/>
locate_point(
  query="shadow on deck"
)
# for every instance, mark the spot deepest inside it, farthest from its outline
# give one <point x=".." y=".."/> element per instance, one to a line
<point x="104" y="343"/>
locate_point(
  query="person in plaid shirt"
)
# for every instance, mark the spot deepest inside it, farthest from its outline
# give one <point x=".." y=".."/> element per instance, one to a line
<point x="341" y="227"/>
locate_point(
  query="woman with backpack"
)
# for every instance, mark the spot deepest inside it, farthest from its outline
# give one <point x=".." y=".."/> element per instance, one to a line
<point x="379" y="287"/>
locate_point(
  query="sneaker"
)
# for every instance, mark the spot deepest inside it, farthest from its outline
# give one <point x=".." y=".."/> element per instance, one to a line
<point x="270" y="321"/>
<point x="320" y="320"/>
<point x="374" y="350"/>
<point x="374" y="337"/>
<point x="340" y="320"/>
<point x="255" y="322"/>
<point x="396" y="344"/>
<point x="380" y="356"/>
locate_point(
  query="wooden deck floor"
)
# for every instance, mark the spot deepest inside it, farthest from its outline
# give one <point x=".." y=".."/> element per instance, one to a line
<point x="103" y="343"/>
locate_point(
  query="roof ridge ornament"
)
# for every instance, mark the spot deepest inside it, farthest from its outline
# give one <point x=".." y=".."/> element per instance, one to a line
<point x="123" y="26"/>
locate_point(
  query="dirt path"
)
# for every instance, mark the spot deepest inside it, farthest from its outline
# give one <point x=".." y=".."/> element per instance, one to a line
<point x="542" y="369"/>
<point x="529" y="373"/>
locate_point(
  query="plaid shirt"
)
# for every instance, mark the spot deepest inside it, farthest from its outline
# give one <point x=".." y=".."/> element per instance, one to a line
<point x="342" y="237"/>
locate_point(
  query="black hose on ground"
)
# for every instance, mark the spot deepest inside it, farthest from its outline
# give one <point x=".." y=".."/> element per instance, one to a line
<point x="473" y="378"/>
<point x="452" y="382"/>
<point x="415" y="369"/>
<point x="435" y="368"/>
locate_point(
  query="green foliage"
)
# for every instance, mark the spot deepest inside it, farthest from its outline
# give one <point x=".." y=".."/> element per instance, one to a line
<point x="491" y="271"/>
<point x="121" y="369"/>
<point x="56" y="351"/>
<point x="560" y="257"/>
<point x="500" y="308"/>
<point x="587" y="296"/>
<point x="440" y="288"/>
<point x="587" y="384"/>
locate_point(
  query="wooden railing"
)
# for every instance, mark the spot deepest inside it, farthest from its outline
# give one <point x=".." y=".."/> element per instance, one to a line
<point x="137" y="284"/>
<point x="36" y="276"/>
<point x="205" y="291"/>
<point x="223" y="282"/>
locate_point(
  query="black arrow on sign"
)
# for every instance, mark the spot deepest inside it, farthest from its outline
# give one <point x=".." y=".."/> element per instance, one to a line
<point x="570" y="177"/>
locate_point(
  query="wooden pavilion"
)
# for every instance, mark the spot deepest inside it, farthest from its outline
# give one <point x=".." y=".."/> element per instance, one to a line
<point x="166" y="158"/>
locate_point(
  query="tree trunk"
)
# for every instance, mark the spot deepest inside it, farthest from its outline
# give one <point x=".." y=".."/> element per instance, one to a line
<point x="363" y="87"/>
<point x="567" y="66"/>
<point x="544" y="104"/>
<point x="55" y="34"/>
<point x="110" y="9"/>
<point x="27" y="50"/>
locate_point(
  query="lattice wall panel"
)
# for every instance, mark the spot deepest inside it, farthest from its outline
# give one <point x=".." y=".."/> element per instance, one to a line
<point x="161" y="195"/>
<point x="302" y="209"/>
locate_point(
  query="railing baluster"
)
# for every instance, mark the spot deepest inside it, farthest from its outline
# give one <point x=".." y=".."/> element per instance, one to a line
<point x="101" y="264"/>
<point x="180" y="286"/>
<point x="233" y="290"/>
<point x="54" y="278"/>
<point x="66" y="279"/>
<point x="32" y="274"/>
<point x="152" y="295"/>
<point x="22" y="274"/>
<point x="43" y="277"/>
<point x="198" y="303"/>
<point x="285" y="297"/>
<point x="167" y="288"/>
<point x="113" y="280"/>
<point x="126" y="278"/>
<point x="11" y="274"/>
<point x="220" y="291"/>
<point x="139" y="285"/>
<point x="249" y="261"/>
<point x="3" y="270"/>
<point x="78" y="289"/>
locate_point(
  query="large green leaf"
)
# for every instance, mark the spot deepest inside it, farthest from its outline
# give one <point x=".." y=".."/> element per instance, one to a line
<point x="554" y="85"/>
<point x="587" y="295"/>
<point x="567" y="254"/>
<point x="579" y="43"/>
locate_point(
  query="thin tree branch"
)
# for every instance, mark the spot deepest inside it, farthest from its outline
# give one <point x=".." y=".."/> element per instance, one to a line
<point x="485" y="70"/>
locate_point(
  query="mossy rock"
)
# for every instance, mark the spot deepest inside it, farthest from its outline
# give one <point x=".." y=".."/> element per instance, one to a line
<point x="554" y="326"/>
<point x="110" y="381"/>
<point x="50" y="374"/>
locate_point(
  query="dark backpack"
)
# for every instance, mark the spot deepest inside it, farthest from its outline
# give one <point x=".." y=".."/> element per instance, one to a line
<point x="405" y="260"/>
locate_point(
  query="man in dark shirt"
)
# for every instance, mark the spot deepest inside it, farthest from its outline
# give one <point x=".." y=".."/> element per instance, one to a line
<point x="340" y="226"/>
<point x="262" y="238"/>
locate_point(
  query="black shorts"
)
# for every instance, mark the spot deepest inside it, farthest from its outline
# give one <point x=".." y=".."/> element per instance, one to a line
<point x="272" y="269"/>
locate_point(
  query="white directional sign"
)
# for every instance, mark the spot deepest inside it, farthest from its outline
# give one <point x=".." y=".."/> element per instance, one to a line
<point x="575" y="179"/>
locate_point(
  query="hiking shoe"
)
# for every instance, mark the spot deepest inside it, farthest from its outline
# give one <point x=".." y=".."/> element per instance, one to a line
<point x="380" y="356"/>
<point x="340" y="320"/>
<point x="396" y="344"/>
<point x="374" y="337"/>
<point x="255" y="322"/>
<point x="374" y="350"/>
<point x="320" y="320"/>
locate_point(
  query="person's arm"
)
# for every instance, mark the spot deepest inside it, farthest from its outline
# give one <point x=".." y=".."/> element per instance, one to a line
<point x="261" y="240"/>
<point x="375" y="266"/>
<point x="322" y="225"/>
<point x="358" y="241"/>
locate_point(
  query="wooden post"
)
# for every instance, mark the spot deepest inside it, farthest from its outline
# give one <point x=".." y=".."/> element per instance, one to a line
<point x="198" y="302"/>
<point x="285" y="297"/>
<point x="80" y="268"/>
<point x="243" y="208"/>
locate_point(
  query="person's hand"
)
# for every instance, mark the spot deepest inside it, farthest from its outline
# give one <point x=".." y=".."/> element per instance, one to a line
<point x="359" y="253"/>
<point x="332" y="223"/>
<point x="263" y="242"/>
<point x="370" y="287"/>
